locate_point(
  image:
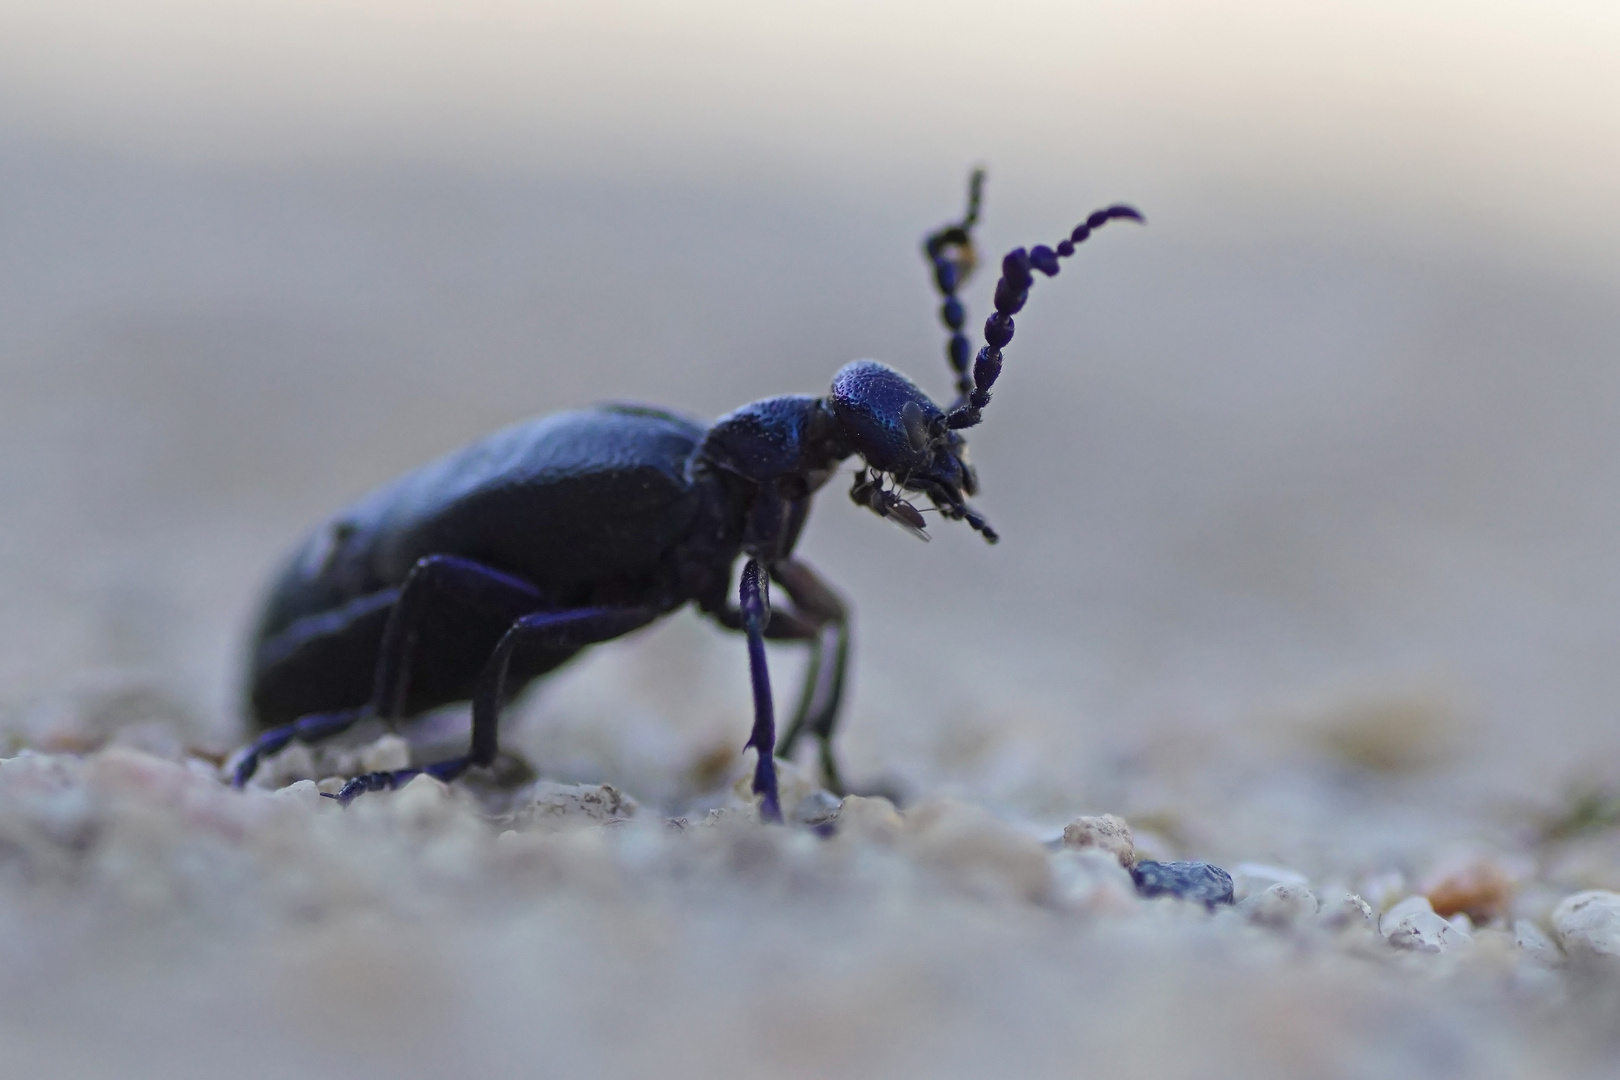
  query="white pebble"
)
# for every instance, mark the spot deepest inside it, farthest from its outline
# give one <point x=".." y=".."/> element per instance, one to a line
<point x="1535" y="945"/>
<point x="1382" y="890"/>
<point x="1091" y="879"/>
<point x="553" y="805"/>
<point x="1345" y="911"/>
<point x="1251" y="879"/>
<point x="424" y="802"/>
<point x="817" y="807"/>
<point x="873" y="819"/>
<point x="1412" y="924"/>
<point x="1280" y="906"/>
<point x="1589" y="923"/>
<point x="300" y="791"/>
<point x="390" y="753"/>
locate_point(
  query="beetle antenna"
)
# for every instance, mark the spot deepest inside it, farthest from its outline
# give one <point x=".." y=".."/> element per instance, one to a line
<point x="1012" y="291"/>
<point x="950" y="252"/>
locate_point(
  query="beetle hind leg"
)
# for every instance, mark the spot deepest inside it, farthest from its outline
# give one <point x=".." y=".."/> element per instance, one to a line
<point x="445" y="771"/>
<point x="539" y="634"/>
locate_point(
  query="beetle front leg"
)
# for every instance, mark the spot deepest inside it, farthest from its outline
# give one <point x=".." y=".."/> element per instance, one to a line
<point x="754" y="598"/>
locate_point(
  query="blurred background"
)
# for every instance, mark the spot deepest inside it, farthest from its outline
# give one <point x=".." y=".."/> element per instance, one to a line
<point x="1307" y="490"/>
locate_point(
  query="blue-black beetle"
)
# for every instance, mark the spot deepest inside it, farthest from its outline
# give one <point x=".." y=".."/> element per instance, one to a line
<point x="469" y="578"/>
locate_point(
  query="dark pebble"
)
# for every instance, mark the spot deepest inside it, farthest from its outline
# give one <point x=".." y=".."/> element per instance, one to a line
<point x="1209" y="885"/>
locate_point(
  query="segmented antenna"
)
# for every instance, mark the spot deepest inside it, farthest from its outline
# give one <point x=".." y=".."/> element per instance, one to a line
<point x="1012" y="291"/>
<point x="951" y="252"/>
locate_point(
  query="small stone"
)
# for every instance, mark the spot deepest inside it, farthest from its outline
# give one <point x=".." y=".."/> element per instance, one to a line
<point x="1479" y="888"/>
<point x="1251" y="879"/>
<point x="1383" y="889"/>
<point x="389" y="753"/>
<point x="794" y="785"/>
<point x="1535" y="945"/>
<point x="817" y="808"/>
<point x="1345" y="911"/>
<point x="554" y="805"/>
<point x="1589" y="923"/>
<point x="295" y="761"/>
<point x="300" y="791"/>
<point x="1200" y="881"/>
<point x="423" y="802"/>
<point x="1106" y="833"/>
<point x="873" y="819"/>
<point x="1091" y="879"/>
<point x="1413" y="925"/>
<point x="1280" y="906"/>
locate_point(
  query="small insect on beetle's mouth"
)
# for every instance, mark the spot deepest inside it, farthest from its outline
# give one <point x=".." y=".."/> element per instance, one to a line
<point x="887" y="503"/>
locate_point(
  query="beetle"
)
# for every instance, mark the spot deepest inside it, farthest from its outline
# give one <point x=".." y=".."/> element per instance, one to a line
<point x="473" y="576"/>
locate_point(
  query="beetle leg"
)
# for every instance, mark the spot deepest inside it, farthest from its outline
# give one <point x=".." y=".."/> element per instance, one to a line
<point x="823" y="693"/>
<point x="438" y="587"/>
<point x="433" y="583"/>
<point x="554" y="631"/>
<point x="307" y="729"/>
<point x="754" y="598"/>
<point x="816" y="608"/>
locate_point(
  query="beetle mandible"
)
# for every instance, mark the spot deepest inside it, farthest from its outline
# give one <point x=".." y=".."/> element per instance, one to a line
<point x="480" y="572"/>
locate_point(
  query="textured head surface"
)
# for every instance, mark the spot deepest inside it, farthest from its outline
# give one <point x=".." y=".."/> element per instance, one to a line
<point x="887" y="417"/>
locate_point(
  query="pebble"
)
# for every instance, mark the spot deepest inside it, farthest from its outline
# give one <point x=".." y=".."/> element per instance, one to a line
<point x="1345" y="911"/>
<point x="817" y="808"/>
<point x="1412" y="924"/>
<point x="1250" y="879"/>
<point x="1535" y="945"/>
<point x="801" y="799"/>
<point x="1383" y="889"/>
<point x="1091" y="879"/>
<point x="554" y="805"/>
<point x="300" y="791"/>
<point x="1280" y="906"/>
<point x="869" y="818"/>
<point x="1200" y="881"/>
<point x="1479" y="888"/>
<point x="1588" y="923"/>
<point x="389" y="753"/>
<point x="1106" y="833"/>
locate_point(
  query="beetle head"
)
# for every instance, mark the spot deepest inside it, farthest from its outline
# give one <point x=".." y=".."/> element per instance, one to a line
<point x="901" y="435"/>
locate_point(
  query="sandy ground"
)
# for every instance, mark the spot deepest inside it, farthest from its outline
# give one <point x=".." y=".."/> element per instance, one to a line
<point x="1308" y="571"/>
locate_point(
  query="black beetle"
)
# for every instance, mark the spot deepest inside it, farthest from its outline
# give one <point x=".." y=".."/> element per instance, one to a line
<point x="478" y="573"/>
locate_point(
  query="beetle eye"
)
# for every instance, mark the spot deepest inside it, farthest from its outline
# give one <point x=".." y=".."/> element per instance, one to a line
<point x="916" y="425"/>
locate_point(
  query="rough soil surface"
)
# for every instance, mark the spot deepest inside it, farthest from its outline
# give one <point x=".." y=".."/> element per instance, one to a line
<point x="158" y="923"/>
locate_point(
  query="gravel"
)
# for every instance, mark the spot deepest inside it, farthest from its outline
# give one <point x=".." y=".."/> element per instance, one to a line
<point x="158" y="923"/>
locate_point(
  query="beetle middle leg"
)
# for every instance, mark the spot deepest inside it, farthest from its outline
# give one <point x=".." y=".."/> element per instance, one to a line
<point x="538" y="636"/>
<point x="823" y="691"/>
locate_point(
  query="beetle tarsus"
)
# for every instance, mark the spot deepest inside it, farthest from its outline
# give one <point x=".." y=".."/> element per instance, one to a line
<point x="309" y="730"/>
